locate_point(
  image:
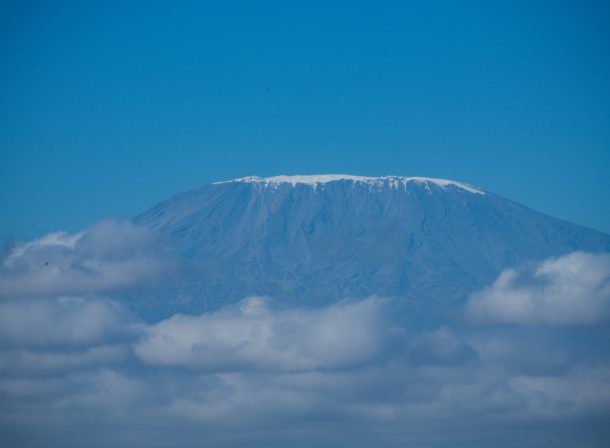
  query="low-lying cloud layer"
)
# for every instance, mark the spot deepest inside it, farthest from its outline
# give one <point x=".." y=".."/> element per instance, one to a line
<point x="77" y="366"/>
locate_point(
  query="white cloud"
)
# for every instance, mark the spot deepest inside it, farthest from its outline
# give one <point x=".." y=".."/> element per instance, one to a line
<point x="569" y="290"/>
<point x="108" y="256"/>
<point x="74" y="322"/>
<point x="255" y="336"/>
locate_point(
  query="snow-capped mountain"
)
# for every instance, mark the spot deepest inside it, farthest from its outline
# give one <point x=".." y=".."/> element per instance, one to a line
<point x="322" y="238"/>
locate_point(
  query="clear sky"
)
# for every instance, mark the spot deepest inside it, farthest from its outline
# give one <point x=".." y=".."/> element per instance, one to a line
<point x="109" y="107"/>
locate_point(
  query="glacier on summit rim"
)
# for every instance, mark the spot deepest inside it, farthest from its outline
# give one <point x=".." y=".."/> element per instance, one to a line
<point x="393" y="181"/>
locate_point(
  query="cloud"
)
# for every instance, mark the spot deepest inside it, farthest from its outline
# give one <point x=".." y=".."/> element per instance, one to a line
<point x="107" y="257"/>
<point x="440" y="347"/>
<point x="66" y="321"/>
<point x="569" y="290"/>
<point x="34" y="363"/>
<point x="582" y="390"/>
<point x="78" y="369"/>
<point x="253" y="335"/>
<point x="42" y="336"/>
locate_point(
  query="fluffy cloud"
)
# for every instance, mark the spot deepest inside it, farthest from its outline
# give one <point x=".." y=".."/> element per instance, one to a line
<point x="252" y="335"/>
<point x="65" y="321"/>
<point x="82" y="369"/>
<point x="569" y="290"/>
<point x="40" y="336"/>
<point x="109" y="256"/>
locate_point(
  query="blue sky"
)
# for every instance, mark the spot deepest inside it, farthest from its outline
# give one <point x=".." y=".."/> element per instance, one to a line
<point x="109" y="107"/>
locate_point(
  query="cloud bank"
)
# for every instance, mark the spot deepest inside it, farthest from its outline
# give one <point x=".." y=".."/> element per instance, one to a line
<point x="110" y="256"/>
<point x="254" y="336"/>
<point x="77" y="366"/>
<point x="569" y="290"/>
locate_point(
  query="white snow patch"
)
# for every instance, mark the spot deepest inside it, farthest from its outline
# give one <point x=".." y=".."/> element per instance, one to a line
<point x="315" y="180"/>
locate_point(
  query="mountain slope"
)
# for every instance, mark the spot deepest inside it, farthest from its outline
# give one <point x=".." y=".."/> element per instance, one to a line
<point x="323" y="238"/>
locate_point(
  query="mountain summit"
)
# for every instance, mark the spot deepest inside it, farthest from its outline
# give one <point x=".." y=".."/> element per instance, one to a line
<point x="321" y="238"/>
<point x="315" y="180"/>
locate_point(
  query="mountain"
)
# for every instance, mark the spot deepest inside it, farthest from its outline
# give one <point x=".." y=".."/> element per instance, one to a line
<point x="315" y="239"/>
